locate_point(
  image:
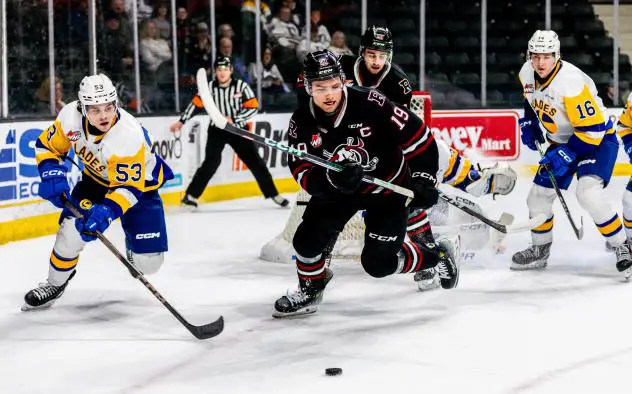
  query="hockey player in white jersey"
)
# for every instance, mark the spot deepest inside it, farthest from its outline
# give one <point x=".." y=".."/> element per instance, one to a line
<point x="625" y="132"/>
<point x="561" y="104"/>
<point x="120" y="179"/>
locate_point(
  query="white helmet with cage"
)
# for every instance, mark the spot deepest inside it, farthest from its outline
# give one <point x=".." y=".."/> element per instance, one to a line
<point x="96" y="89"/>
<point x="544" y="41"/>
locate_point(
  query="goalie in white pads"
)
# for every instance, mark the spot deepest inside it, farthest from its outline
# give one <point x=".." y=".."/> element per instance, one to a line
<point x="121" y="177"/>
<point x="625" y="132"/>
<point x="561" y="103"/>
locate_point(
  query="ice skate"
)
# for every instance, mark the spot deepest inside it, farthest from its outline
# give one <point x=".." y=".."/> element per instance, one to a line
<point x="533" y="258"/>
<point x="447" y="268"/>
<point x="624" y="260"/>
<point x="427" y="279"/>
<point x="44" y="296"/>
<point x="304" y="300"/>
<point x="280" y="201"/>
<point x="189" y="202"/>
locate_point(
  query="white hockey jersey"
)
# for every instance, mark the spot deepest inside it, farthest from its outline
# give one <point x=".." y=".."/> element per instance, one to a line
<point x="567" y="105"/>
<point x="625" y="122"/>
<point x="120" y="159"/>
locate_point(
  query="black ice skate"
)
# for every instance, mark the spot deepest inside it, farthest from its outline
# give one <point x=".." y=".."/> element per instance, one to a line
<point x="303" y="301"/>
<point x="44" y="296"/>
<point x="533" y="258"/>
<point x="189" y="201"/>
<point x="624" y="260"/>
<point x="280" y="201"/>
<point x="427" y="279"/>
<point x="447" y="268"/>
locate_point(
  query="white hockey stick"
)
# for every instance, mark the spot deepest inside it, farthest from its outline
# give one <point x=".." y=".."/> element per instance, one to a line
<point x="220" y="121"/>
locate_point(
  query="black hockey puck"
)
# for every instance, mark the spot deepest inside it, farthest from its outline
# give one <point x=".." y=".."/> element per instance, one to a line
<point x="333" y="371"/>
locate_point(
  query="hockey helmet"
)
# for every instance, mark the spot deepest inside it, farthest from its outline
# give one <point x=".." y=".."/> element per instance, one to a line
<point x="223" y="61"/>
<point x="321" y="65"/>
<point x="544" y="41"/>
<point x="95" y="90"/>
<point x="377" y="38"/>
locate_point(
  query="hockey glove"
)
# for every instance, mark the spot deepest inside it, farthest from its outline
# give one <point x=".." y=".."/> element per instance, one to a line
<point x="348" y="180"/>
<point x="426" y="194"/>
<point x="98" y="219"/>
<point x="530" y="132"/>
<point x="559" y="159"/>
<point x="54" y="183"/>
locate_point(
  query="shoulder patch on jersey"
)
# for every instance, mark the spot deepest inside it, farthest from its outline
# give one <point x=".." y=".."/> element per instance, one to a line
<point x="405" y="84"/>
<point x="74" y="135"/>
<point x="528" y="88"/>
<point x="378" y="97"/>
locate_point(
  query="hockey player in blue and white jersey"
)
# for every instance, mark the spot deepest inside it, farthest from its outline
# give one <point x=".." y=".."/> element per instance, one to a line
<point x="625" y="132"/>
<point x="561" y="104"/>
<point x="120" y="179"/>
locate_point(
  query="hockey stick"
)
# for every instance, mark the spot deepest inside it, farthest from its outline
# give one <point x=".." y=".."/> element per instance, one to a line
<point x="579" y="231"/>
<point x="503" y="228"/>
<point x="200" y="332"/>
<point x="220" y="122"/>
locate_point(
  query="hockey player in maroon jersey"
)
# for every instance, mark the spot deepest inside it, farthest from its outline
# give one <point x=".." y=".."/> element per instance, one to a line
<point x="364" y="132"/>
<point x="374" y="68"/>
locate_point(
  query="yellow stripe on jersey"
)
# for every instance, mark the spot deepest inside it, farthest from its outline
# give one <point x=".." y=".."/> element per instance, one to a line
<point x="627" y="223"/>
<point x="120" y="200"/>
<point x="55" y="143"/>
<point x="544" y="227"/>
<point x="610" y="227"/>
<point x="587" y="138"/>
<point x="128" y="171"/>
<point x="159" y="180"/>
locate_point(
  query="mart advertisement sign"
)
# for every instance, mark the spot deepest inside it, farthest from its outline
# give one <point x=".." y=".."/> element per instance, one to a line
<point x="492" y="134"/>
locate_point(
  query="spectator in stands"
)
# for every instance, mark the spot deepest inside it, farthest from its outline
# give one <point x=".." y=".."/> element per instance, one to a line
<point x="624" y="92"/>
<point x="295" y="16"/>
<point x="271" y="78"/>
<point x="316" y="43"/>
<point x="239" y="68"/>
<point x="144" y="10"/>
<point x="117" y="7"/>
<point x="225" y="30"/>
<point x="323" y="36"/>
<point x="42" y="97"/>
<point x="282" y="32"/>
<point x="338" y="44"/>
<point x="248" y="16"/>
<point x="115" y="52"/>
<point x="199" y="54"/>
<point x="154" y="50"/>
<point x="162" y="21"/>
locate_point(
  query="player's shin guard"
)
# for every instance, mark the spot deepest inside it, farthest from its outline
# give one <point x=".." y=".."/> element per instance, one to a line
<point x="65" y="254"/>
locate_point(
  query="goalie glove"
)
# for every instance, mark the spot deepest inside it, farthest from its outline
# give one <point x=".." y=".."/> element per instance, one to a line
<point x="499" y="179"/>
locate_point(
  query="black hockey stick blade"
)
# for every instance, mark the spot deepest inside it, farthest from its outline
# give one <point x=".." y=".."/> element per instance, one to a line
<point x="205" y="331"/>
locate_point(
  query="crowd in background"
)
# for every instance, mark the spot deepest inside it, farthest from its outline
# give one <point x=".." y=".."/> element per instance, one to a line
<point x="284" y="43"/>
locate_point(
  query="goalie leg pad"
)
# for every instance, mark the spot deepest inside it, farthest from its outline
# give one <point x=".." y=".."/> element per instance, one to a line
<point x="65" y="254"/>
<point x="591" y="197"/>
<point x="627" y="210"/>
<point x="540" y="201"/>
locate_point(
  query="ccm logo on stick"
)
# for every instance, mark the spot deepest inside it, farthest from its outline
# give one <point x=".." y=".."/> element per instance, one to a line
<point x="383" y="238"/>
<point x="147" y="235"/>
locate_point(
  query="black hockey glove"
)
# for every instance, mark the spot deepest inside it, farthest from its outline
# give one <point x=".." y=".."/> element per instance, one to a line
<point x="348" y="180"/>
<point x="426" y="194"/>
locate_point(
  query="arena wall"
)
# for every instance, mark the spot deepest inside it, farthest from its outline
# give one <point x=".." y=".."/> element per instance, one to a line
<point x="486" y="135"/>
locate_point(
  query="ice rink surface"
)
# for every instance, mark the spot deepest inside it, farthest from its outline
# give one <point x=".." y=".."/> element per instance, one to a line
<point x="564" y="330"/>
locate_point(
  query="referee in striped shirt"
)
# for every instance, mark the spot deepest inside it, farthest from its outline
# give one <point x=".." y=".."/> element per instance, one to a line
<point x="237" y="102"/>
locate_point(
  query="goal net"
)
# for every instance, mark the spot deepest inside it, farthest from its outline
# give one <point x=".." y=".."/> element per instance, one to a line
<point x="351" y="239"/>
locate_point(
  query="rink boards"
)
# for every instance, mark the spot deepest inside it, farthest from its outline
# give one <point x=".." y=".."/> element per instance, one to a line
<point x="488" y="135"/>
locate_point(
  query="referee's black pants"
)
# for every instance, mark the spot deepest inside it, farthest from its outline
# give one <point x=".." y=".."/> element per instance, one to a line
<point x="247" y="152"/>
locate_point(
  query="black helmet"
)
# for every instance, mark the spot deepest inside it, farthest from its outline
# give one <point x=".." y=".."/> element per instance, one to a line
<point x="321" y="65"/>
<point x="377" y="38"/>
<point x="222" y="60"/>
